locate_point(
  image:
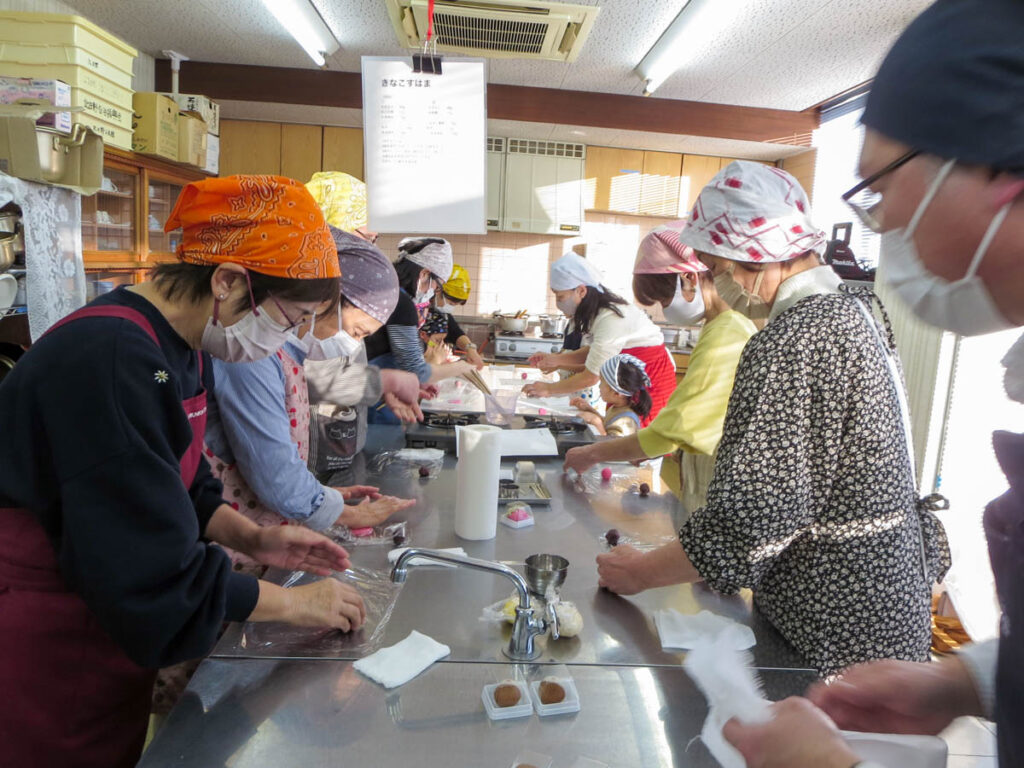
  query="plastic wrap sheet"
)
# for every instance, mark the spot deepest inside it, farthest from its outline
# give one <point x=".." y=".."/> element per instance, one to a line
<point x="379" y="595"/>
<point x="643" y="543"/>
<point x="625" y="478"/>
<point x="390" y="534"/>
<point x="409" y="461"/>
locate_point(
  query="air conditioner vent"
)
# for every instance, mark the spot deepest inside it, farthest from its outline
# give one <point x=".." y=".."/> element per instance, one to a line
<point x="503" y="35"/>
<point x="522" y="29"/>
<point x="546" y="148"/>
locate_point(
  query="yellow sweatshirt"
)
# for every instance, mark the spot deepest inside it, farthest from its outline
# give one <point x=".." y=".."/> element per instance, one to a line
<point x="691" y="422"/>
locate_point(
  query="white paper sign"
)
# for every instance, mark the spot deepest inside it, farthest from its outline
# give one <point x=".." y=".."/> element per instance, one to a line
<point x="425" y="139"/>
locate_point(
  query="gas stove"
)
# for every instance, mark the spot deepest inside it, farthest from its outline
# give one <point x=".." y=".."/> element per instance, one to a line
<point x="509" y="346"/>
<point x="437" y="430"/>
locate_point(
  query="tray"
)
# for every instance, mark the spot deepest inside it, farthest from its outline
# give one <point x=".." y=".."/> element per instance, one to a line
<point x="529" y="493"/>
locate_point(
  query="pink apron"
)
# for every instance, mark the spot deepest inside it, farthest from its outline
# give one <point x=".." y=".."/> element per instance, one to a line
<point x="236" y="490"/>
<point x="73" y="698"/>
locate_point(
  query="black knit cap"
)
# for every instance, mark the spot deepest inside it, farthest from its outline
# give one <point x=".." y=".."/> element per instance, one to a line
<point x="953" y="84"/>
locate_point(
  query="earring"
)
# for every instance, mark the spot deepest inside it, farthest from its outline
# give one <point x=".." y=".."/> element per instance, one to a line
<point x="222" y="296"/>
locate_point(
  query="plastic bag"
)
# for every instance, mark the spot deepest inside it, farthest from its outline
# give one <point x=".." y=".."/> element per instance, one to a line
<point x="613" y="538"/>
<point x="336" y="435"/>
<point x="570" y="620"/>
<point x="391" y="534"/>
<point x="410" y="461"/>
<point x="379" y="595"/>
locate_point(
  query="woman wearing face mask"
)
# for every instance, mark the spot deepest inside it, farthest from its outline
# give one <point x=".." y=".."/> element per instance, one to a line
<point x="689" y="427"/>
<point x="258" y="438"/>
<point x="813" y="503"/>
<point x="424" y="265"/>
<point x="454" y="294"/>
<point x="108" y="509"/>
<point x="609" y="325"/>
<point x="952" y="215"/>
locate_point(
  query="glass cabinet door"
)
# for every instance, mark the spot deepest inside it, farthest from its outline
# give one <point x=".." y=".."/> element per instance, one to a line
<point x="162" y="195"/>
<point x="108" y="217"/>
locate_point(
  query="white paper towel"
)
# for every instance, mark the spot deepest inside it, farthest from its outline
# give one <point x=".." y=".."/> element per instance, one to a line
<point x="476" y="482"/>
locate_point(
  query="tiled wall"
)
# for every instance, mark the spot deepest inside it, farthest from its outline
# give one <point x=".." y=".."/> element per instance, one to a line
<point x="509" y="270"/>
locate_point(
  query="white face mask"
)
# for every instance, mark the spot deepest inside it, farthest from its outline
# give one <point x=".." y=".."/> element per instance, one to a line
<point x="252" y="338"/>
<point x="1013" y="379"/>
<point x="963" y="306"/>
<point x="338" y="345"/>
<point x="445" y="309"/>
<point x="683" y="312"/>
<point x="424" y="297"/>
<point x="567" y="306"/>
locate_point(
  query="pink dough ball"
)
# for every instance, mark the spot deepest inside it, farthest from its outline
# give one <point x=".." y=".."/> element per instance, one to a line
<point x="606" y="474"/>
<point x="542" y="411"/>
<point x="362" y="532"/>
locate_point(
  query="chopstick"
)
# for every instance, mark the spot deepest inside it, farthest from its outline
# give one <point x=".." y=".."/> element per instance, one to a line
<point x="477" y="381"/>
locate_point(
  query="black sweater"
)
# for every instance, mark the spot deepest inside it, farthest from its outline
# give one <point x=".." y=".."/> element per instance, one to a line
<point x="93" y="433"/>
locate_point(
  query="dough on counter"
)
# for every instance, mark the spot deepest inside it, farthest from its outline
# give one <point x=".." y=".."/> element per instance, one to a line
<point x="507" y="695"/>
<point x="551" y="691"/>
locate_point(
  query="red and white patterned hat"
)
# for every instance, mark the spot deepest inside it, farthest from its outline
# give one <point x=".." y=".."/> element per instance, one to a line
<point x="661" y="253"/>
<point x="752" y="212"/>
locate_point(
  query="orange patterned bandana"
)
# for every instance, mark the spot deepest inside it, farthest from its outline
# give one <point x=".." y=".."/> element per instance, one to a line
<point x="269" y="224"/>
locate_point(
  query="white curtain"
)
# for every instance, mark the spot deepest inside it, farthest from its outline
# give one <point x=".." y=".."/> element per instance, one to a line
<point x="55" y="273"/>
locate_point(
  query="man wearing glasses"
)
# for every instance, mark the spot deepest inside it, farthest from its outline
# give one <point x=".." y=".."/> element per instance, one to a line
<point x="944" y="149"/>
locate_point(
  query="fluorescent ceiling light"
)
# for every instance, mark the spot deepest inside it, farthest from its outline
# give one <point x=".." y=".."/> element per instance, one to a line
<point x="303" y="22"/>
<point x="692" y="32"/>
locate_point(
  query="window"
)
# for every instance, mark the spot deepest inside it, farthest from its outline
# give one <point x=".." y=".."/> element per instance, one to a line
<point x="838" y="142"/>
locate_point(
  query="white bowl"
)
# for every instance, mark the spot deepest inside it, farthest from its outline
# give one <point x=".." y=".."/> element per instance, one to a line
<point x="8" y="290"/>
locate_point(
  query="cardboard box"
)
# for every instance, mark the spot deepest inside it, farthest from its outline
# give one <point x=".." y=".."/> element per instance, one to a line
<point x="191" y="139"/>
<point x="55" y="92"/>
<point x="208" y="110"/>
<point x="212" y="154"/>
<point x="156" y="125"/>
<point x="19" y="152"/>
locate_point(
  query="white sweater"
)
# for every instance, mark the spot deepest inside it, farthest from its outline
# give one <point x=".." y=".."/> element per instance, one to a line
<point x="610" y="334"/>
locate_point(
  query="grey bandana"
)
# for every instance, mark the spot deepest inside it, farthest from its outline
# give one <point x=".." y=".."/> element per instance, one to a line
<point x="368" y="279"/>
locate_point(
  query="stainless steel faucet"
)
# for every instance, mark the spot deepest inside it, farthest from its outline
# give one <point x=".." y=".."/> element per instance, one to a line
<point x="526" y="627"/>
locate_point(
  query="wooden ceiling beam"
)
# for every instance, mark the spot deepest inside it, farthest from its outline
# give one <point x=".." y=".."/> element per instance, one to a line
<point x="239" y="82"/>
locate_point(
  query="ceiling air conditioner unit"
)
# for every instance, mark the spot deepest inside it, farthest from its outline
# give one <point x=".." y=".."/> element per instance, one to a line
<point x="511" y="29"/>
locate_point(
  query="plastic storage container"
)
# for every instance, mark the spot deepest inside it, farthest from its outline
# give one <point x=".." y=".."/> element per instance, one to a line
<point x="60" y="29"/>
<point x="571" y="702"/>
<point x="523" y="709"/>
<point x="69" y="57"/>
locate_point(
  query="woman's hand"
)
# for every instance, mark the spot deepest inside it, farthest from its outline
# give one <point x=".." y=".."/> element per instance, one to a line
<point x="579" y="459"/>
<point x="623" y="570"/>
<point x="429" y="391"/>
<point x="474" y="359"/>
<point x="547" y="363"/>
<point x="899" y="696"/>
<point x="458" y="368"/>
<point x="296" y="548"/>
<point x="369" y="513"/>
<point x="581" y="404"/>
<point x="537" y="389"/>
<point x="799" y="735"/>
<point x="326" y="603"/>
<point x="407" y="412"/>
<point x="358" y="491"/>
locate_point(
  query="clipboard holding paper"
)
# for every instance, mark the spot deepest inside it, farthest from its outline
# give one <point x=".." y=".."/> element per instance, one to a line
<point x="425" y="140"/>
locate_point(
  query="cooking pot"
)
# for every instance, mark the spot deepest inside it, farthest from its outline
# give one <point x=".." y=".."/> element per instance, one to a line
<point x="551" y="325"/>
<point x="8" y="248"/>
<point x="513" y="324"/>
<point x="54" y="147"/>
<point x="9" y="221"/>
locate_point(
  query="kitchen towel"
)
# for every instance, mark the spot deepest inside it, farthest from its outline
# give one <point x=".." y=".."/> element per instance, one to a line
<point x="677" y="630"/>
<point x="732" y="689"/>
<point x="476" y="481"/>
<point x="394" y="554"/>
<point x="400" y="663"/>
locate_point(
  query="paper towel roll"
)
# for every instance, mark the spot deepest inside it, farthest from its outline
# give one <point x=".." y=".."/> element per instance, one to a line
<point x="476" y="482"/>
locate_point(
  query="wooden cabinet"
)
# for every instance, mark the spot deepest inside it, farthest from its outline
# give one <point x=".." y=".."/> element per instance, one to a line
<point x="249" y="147"/>
<point x="543" y="194"/>
<point x="659" y="185"/>
<point x="122" y="224"/>
<point x="343" y="151"/>
<point x="613" y="179"/>
<point x="802" y="168"/>
<point x="698" y="170"/>
<point x="301" y="151"/>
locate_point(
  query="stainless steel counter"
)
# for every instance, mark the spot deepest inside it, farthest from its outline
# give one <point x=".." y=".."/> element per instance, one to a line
<point x="446" y="603"/>
<point x="276" y="696"/>
<point x="284" y="713"/>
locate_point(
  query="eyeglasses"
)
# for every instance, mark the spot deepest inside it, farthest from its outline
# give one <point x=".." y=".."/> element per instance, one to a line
<point x="869" y="214"/>
<point x="292" y="324"/>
